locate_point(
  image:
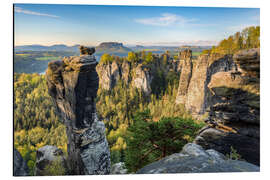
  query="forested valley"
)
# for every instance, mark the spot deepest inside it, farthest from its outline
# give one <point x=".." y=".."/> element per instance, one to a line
<point x="132" y="119"/>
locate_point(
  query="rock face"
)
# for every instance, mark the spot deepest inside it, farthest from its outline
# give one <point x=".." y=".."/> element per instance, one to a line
<point x="47" y="155"/>
<point x="237" y="106"/>
<point x="185" y="67"/>
<point x="20" y="167"/>
<point x="138" y="76"/>
<point x="142" y="79"/>
<point x="73" y="84"/>
<point x="194" y="78"/>
<point x="225" y="88"/>
<point x="194" y="159"/>
<point x="108" y="74"/>
<point x="118" y="168"/>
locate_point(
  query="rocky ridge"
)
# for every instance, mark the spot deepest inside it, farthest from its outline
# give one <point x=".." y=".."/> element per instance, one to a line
<point x="225" y="90"/>
<point x="194" y="159"/>
<point x="138" y="75"/>
<point x="73" y="84"/>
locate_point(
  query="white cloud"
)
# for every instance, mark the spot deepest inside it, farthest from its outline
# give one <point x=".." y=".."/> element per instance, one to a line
<point x="165" y="19"/>
<point x="24" y="11"/>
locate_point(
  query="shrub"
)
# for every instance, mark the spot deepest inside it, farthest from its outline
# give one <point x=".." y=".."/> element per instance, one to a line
<point x="148" y="141"/>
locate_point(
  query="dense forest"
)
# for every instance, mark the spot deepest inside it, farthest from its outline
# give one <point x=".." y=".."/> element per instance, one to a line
<point x="130" y="117"/>
<point x="246" y="39"/>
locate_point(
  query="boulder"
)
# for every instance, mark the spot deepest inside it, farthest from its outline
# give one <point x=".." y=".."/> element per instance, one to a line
<point x="47" y="155"/>
<point x="118" y="168"/>
<point x="20" y="167"/>
<point x="194" y="159"/>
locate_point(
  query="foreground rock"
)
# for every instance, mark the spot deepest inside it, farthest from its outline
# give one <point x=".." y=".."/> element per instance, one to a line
<point x="119" y="168"/>
<point x="73" y="84"/>
<point x="194" y="159"/>
<point x="46" y="156"/>
<point x="20" y="167"/>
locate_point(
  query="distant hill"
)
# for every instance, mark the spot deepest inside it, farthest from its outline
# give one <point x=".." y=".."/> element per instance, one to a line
<point x="57" y="47"/>
<point x="112" y="48"/>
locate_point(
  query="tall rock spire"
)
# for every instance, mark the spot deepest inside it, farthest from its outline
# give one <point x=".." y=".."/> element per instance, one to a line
<point x="73" y="84"/>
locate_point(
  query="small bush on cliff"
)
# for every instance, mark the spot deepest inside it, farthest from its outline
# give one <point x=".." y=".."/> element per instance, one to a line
<point x="149" y="141"/>
<point x="106" y="59"/>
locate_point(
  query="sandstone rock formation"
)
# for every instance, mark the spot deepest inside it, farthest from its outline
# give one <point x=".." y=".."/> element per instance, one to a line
<point x="109" y="74"/>
<point x="237" y="106"/>
<point x="194" y="78"/>
<point x="73" y="84"/>
<point x="142" y="79"/>
<point x="194" y="159"/>
<point x="138" y="76"/>
<point x="118" y="168"/>
<point x="186" y="73"/>
<point x="45" y="156"/>
<point x="20" y="167"/>
<point x="225" y="89"/>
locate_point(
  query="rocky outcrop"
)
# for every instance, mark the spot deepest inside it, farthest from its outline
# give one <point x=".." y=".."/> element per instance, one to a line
<point x="125" y="72"/>
<point x="118" y="168"/>
<point x="225" y="89"/>
<point x="194" y="159"/>
<point x="20" y="167"/>
<point x="185" y="67"/>
<point x="234" y="117"/>
<point x="194" y="78"/>
<point x="142" y="78"/>
<point x="138" y="76"/>
<point x="73" y="84"/>
<point x="47" y="155"/>
<point x="109" y="74"/>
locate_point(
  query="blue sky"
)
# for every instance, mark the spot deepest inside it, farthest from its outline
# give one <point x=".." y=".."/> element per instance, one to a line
<point x="132" y="25"/>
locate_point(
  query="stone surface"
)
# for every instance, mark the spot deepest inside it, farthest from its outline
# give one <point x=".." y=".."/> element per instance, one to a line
<point x="227" y="89"/>
<point x="73" y="84"/>
<point x="47" y="155"/>
<point x="186" y="67"/>
<point x="194" y="78"/>
<point x="118" y="168"/>
<point x="20" y="167"/>
<point x="142" y="78"/>
<point x="109" y="74"/>
<point x="193" y="159"/>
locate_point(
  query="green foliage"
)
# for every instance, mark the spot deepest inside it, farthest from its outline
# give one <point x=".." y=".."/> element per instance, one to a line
<point x="132" y="57"/>
<point x="105" y="59"/>
<point x="32" y="104"/>
<point x="35" y="122"/>
<point x="156" y="139"/>
<point x="233" y="155"/>
<point x="248" y="38"/>
<point x="55" y="168"/>
<point x="149" y="58"/>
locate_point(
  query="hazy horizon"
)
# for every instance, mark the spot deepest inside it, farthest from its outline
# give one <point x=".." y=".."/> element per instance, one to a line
<point x="45" y="24"/>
